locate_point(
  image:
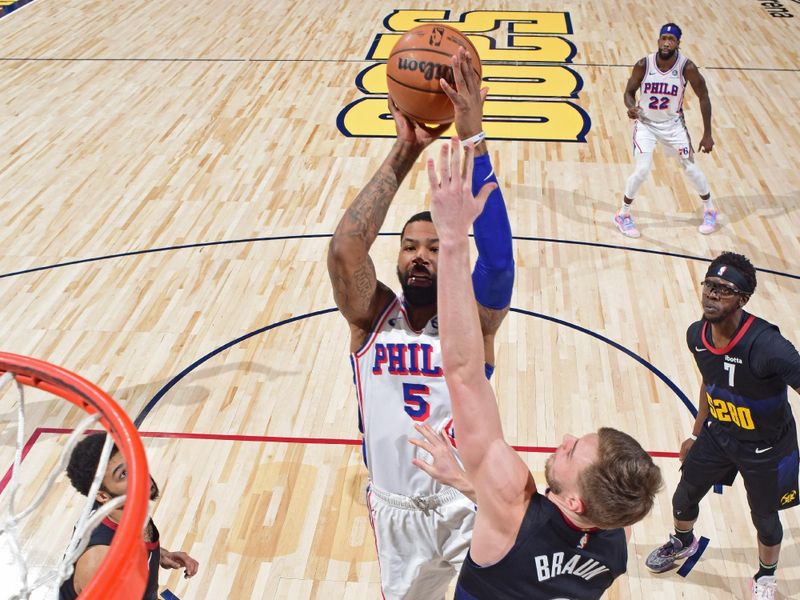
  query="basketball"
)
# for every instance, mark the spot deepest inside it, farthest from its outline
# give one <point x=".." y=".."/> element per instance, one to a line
<point x="419" y="59"/>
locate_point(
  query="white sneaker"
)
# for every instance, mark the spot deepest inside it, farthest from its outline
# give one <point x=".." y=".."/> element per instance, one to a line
<point x="764" y="588"/>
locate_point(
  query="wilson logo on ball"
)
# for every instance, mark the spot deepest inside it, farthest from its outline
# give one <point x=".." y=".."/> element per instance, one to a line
<point x="430" y="70"/>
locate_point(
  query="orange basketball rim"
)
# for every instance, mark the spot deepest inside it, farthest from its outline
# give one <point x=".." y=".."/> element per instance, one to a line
<point x="123" y="574"/>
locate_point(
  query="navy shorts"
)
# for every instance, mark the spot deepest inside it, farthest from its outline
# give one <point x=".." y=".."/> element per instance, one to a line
<point x="769" y="469"/>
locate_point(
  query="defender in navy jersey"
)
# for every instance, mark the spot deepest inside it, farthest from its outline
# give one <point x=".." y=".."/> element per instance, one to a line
<point x="80" y="471"/>
<point x="422" y="525"/>
<point x="569" y="541"/>
<point x="744" y="422"/>
<point x="661" y="80"/>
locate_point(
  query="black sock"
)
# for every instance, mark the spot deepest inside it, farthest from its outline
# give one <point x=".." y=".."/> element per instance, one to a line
<point x="685" y="537"/>
<point x="765" y="570"/>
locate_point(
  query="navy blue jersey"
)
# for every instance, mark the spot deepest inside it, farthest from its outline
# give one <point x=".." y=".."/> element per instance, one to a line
<point x="102" y="536"/>
<point x="746" y="380"/>
<point x="550" y="559"/>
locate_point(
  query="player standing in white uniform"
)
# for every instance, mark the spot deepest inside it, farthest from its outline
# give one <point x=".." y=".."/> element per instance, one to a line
<point x="658" y="116"/>
<point x="422" y="527"/>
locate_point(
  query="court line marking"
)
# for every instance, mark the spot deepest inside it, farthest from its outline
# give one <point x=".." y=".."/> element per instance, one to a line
<point x="172" y="382"/>
<point x="223" y="437"/>
<point x="305" y="236"/>
<point x="200" y="59"/>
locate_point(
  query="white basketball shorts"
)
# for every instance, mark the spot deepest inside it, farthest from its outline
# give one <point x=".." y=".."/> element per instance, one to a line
<point x="421" y="543"/>
<point x="673" y="134"/>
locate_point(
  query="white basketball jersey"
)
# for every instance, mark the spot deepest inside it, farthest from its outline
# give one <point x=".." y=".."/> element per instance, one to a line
<point x="399" y="382"/>
<point x="661" y="92"/>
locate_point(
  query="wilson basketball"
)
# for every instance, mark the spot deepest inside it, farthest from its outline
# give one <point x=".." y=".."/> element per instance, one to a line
<point x="419" y="59"/>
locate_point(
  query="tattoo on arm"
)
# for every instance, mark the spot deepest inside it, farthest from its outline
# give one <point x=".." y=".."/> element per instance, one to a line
<point x="351" y="270"/>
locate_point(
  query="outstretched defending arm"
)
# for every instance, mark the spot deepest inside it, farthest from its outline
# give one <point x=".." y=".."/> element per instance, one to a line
<point x="493" y="275"/>
<point x="356" y="290"/>
<point x="500" y="478"/>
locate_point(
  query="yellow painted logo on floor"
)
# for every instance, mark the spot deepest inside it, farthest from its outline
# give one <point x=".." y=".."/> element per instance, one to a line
<point x="529" y="91"/>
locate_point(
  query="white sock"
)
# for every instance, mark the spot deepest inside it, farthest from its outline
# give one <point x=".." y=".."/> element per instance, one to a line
<point x="626" y="209"/>
<point x="708" y="204"/>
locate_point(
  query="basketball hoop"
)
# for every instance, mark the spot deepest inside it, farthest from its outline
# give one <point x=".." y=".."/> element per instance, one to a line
<point x="123" y="574"/>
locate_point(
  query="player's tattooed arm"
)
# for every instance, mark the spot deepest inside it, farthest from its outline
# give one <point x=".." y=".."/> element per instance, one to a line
<point x="693" y="76"/>
<point x="356" y="290"/>
<point x="634" y="82"/>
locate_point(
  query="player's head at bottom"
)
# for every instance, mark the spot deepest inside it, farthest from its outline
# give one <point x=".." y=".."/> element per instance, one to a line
<point x="606" y="477"/>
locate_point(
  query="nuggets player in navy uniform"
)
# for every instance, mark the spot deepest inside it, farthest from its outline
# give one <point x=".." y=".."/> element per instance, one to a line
<point x="744" y="422"/>
<point x="569" y="541"/>
<point x="80" y="471"/>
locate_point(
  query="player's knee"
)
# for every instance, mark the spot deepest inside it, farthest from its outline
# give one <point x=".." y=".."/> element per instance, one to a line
<point x="769" y="528"/>
<point x="685" y="501"/>
<point x="643" y="168"/>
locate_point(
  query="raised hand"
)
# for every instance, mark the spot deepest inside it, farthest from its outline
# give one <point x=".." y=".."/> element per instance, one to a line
<point x="453" y="207"/>
<point x="467" y="96"/>
<point x="411" y="132"/>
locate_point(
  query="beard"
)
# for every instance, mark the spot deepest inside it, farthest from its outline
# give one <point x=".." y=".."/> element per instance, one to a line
<point x="417" y="295"/>
<point x="554" y="485"/>
<point x="667" y="54"/>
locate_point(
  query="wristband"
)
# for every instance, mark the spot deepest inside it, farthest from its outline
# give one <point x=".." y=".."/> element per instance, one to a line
<point x="475" y="139"/>
<point x="693" y="436"/>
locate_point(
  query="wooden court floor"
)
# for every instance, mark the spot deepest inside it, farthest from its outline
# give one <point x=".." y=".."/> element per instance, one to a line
<point x="170" y="174"/>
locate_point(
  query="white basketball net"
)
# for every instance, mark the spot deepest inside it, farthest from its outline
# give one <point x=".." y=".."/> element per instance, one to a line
<point x="47" y="583"/>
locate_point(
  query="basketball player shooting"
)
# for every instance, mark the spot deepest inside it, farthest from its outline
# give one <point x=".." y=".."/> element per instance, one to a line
<point x="658" y="117"/>
<point x="422" y="527"/>
<point x="569" y="541"/>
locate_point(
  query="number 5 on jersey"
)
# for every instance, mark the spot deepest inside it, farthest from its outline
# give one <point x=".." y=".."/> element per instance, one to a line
<point x="416" y="406"/>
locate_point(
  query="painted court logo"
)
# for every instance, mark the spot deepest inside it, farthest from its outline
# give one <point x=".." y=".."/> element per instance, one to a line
<point x="524" y="57"/>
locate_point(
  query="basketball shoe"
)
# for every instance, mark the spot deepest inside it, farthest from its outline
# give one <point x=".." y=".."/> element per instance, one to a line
<point x="625" y="225"/>
<point x="709" y="224"/>
<point x="764" y="588"/>
<point x="663" y="558"/>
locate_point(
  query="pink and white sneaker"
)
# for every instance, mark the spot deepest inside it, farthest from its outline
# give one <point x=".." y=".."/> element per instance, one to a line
<point x="626" y="226"/>
<point x="709" y="224"/>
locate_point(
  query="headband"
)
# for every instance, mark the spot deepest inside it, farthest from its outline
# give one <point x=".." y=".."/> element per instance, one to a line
<point x="672" y="29"/>
<point x="732" y="275"/>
